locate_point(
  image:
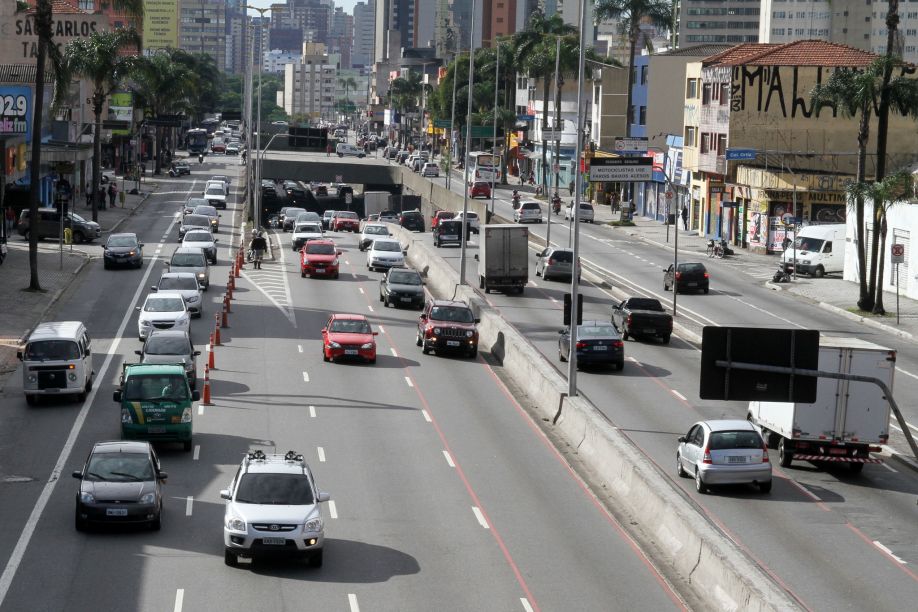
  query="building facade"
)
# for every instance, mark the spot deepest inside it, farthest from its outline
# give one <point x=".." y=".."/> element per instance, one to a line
<point x="275" y="60"/>
<point x="364" y="33"/>
<point x="718" y="21"/>
<point x="202" y="28"/>
<point x="309" y="86"/>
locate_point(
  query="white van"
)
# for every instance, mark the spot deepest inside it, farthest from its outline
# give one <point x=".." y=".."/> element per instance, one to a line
<point x="344" y="148"/>
<point x="57" y="360"/>
<point x="818" y="250"/>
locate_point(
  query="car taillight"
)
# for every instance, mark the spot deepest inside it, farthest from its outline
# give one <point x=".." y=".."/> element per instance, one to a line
<point x="706" y="275"/>
<point x="678" y="275"/>
<point x="581" y="345"/>
<point x="618" y="344"/>
<point x="707" y="456"/>
<point x="628" y="322"/>
<point x="551" y="262"/>
<point x="765" y="458"/>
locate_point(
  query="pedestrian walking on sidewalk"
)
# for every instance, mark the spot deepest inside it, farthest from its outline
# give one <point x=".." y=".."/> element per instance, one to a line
<point x="88" y="195"/>
<point x="10" y="219"/>
<point x="258" y="245"/>
<point x="685" y="217"/>
<point x="112" y="190"/>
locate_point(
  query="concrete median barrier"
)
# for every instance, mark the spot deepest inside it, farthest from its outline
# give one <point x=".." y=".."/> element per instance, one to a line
<point x="709" y="567"/>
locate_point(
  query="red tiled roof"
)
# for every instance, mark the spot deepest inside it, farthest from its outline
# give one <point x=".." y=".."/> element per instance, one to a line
<point x="797" y="53"/>
<point x="60" y="7"/>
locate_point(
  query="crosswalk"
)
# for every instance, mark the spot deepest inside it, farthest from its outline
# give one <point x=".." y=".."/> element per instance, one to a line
<point x="271" y="280"/>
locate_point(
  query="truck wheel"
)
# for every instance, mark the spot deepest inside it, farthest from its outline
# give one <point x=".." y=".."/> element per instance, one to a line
<point x="785" y="452"/>
<point x="855" y="468"/>
<point x="819" y="272"/>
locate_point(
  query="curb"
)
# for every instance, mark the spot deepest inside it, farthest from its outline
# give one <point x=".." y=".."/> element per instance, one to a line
<point x="867" y="321"/>
<point x="903" y="460"/>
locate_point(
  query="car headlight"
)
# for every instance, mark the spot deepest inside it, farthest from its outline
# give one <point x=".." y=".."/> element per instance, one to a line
<point x="71" y="376"/>
<point x="437" y="330"/>
<point x="126" y="417"/>
<point x="87" y="498"/>
<point x="149" y="498"/>
<point x="315" y="524"/>
<point x="145" y="323"/>
<point x="234" y="523"/>
<point x="186" y="414"/>
<point x="469" y="334"/>
<point x="334" y="345"/>
<point x="368" y="345"/>
<point x="201" y="275"/>
<point x="132" y="253"/>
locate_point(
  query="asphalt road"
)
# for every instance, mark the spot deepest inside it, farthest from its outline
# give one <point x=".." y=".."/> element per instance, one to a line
<point x="446" y="495"/>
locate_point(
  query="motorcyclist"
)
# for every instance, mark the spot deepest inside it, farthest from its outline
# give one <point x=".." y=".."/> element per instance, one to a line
<point x="556" y="203"/>
<point x="200" y="158"/>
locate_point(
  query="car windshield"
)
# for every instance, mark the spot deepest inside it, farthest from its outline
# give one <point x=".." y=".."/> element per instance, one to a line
<point x="404" y="278"/>
<point x="166" y="345"/>
<point x="456" y="314"/>
<point x="276" y="489"/>
<point x="119" y="467"/>
<point x="163" y="304"/>
<point x="530" y="206"/>
<point x="215" y="190"/>
<point x="724" y="440"/>
<point x="645" y="304"/>
<point x="376" y="230"/>
<point x="350" y="326"/>
<point x="185" y="260"/>
<point x="144" y="387"/>
<point x="178" y="283"/>
<point x="291" y="213"/>
<point x="320" y="249"/>
<point x="311" y="228"/>
<point x="198" y="237"/>
<point x="386" y="246"/>
<point x="809" y="244"/>
<point x="122" y="241"/>
<point x="52" y="350"/>
<point x="594" y="331"/>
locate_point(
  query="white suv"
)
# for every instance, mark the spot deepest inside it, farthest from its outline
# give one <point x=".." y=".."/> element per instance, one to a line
<point x="272" y="508"/>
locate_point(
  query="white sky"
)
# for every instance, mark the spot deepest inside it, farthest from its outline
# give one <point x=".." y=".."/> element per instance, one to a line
<point x="347" y="5"/>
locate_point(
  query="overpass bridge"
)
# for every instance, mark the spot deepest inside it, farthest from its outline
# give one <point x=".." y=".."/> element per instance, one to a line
<point x="374" y="174"/>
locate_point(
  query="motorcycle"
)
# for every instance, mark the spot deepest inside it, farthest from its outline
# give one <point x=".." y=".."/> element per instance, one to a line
<point x="516" y="201"/>
<point x="781" y="275"/>
<point x="201" y="158"/>
<point x="556" y="205"/>
<point x="718" y="250"/>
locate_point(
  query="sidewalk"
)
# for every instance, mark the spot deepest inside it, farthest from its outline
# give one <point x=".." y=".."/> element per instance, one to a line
<point x="23" y="309"/>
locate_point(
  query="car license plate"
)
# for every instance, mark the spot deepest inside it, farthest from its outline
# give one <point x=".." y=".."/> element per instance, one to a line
<point x="350" y="351"/>
<point x="736" y="459"/>
<point x="600" y="348"/>
<point x="116" y="512"/>
<point x="452" y="343"/>
<point x="837" y="451"/>
<point x="156" y="430"/>
<point x="320" y="270"/>
<point x="650" y="331"/>
<point x="691" y="284"/>
<point x="274" y="541"/>
<point x="450" y="237"/>
<point x="406" y="299"/>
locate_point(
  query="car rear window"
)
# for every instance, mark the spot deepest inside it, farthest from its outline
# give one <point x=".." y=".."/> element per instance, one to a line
<point x="308" y="227"/>
<point x="199" y="220"/>
<point x="198" y="237"/>
<point x="587" y="331"/>
<point x="563" y="256"/>
<point x="691" y="267"/>
<point x="723" y="440"/>
<point x="178" y="283"/>
<point x="645" y="304"/>
<point x="377" y="230"/>
<point x="166" y="345"/>
<point x="189" y="260"/>
<point x="346" y="215"/>
<point x="275" y="489"/>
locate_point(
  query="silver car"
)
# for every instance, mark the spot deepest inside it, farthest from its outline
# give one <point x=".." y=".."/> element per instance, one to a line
<point x="528" y="212"/>
<point x="556" y="263"/>
<point x="586" y="212"/>
<point x="186" y="284"/>
<point x="191" y="259"/>
<point x="203" y="240"/>
<point x="171" y="346"/>
<point x="724" y="452"/>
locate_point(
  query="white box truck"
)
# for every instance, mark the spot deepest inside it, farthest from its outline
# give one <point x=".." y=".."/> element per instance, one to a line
<point x="847" y="421"/>
<point x="374" y="202"/>
<point x="503" y="257"/>
<point x="817" y="250"/>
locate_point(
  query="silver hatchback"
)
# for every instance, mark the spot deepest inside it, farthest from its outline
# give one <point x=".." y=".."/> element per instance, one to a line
<point x="724" y="452"/>
<point x="556" y="263"/>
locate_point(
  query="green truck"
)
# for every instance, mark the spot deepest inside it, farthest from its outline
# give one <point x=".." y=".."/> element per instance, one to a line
<point x="156" y="403"/>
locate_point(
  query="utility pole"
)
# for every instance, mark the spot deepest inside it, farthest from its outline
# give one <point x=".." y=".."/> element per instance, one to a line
<point x="465" y="161"/>
<point x="557" y="142"/>
<point x="261" y="25"/>
<point x="452" y="126"/>
<point x="494" y="140"/>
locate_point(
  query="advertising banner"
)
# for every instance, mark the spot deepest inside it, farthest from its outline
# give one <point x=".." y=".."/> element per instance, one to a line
<point x="121" y="108"/>
<point x="16" y="110"/>
<point x="160" y="25"/>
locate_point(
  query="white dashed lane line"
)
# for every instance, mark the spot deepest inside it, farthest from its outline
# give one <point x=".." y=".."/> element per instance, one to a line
<point x="332" y="509"/>
<point x="371" y="308"/>
<point x="360" y="289"/>
<point x="449" y="459"/>
<point x="312" y="412"/>
<point x="426" y="416"/>
<point x="299" y="348"/>
<point x="888" y="552"/>
<point x="381" y="330"/>
<point x="352" y="602"/>
<point x="179" y="600"/>
<point x="321" y="452"/>
<point x="189" y="504"/>
<point x="197" y="452"/>
<point x="677" y="394"/>
<point x="526" y="605"/>
<point x="305" y="376"/>
<point x="480" y="517"/>
<point x="394" y="353"/>
<point x="408" y="380"/>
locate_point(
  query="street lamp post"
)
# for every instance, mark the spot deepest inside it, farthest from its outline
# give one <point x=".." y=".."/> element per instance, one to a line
<point x="494" y="139"/>
<point x="465" y="161"/>
<point x="258" y="151"/>
<point x="557" y="144"/>
<point x="452" y="126"/>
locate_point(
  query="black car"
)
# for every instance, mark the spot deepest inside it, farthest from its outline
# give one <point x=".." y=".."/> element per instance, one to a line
<point x="447" y="231"/>
<point x="181" y="167"/>
<point x="412" y="220"/>
<point x="120" y="483"/>
<point x="688" y="276"/>
<point x="598" y="343"/>
<point x="402" y="287"/>
<point x="122" y="250"/>
<point x="193" y="221"/>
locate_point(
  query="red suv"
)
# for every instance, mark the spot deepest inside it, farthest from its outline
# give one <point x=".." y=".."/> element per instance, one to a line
<point x="319" y="258"/>
<point x="480" y="189"/>
<point x="448" y="325"/>
<point x="440" y="215"/>
<point x="344" y="221"/>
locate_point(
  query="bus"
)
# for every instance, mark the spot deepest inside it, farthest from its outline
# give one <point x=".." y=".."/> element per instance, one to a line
<point x="197" y="141"/>
<point x="484" y="166"/>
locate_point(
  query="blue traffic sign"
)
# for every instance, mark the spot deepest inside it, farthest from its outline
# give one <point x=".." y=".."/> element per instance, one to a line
<point x="738" y="154"/>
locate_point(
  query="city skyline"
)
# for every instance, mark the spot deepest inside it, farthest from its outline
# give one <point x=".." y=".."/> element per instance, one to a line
<point x="347" y="5"/>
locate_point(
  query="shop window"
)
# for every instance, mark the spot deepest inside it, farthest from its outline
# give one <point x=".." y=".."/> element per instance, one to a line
<point x="705" y="142"/>
<point x="721" y="144"/>
<point x="706" y="93"/>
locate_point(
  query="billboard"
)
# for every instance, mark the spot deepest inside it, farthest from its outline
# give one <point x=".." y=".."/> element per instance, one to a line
<point x="121" y="108"/>
<point x="160" y="24"/>
<point x="16" y="110"/>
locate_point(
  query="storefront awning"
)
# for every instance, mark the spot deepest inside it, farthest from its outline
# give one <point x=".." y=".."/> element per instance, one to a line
<point x="65" y="152"/>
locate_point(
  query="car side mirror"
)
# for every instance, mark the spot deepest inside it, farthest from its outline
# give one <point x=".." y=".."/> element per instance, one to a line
<point x="138" y="353"/>
<point x="162" y="476"/>
<point x="422" y="316"/>
<point x="77" y="474"/>
<point x="324" y="329"/>
<point x="375" y="333"/>
<point x="340" y="252"/>
<point x="616" y="307"/>
<point x="476" y="257"/>
<point x="196" y="353"/>
<point x="140" y="244"/>
<point x="477" y="321"/>
<point x="560" y="331"/>
<point x="137" y="308"/>
<point x="154" y="288"/>
<point x="323" y="497"/>
<point x="19" y="355"/>
<point x="195" y="396"/>
<point x="225" y="494"/>
<point x="116" y="396"/>
<point x="682" y="438"/>
<point x="216" y="240"/>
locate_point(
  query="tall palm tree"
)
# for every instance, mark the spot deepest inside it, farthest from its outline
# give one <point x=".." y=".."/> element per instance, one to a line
<point x="348" y="82"/>
<point x="405" y="93"/>
<point x="631" y="14"/>
<point x="506" y="84"/>
<point x="98" y="59"/>
<point x="534" y="52"/>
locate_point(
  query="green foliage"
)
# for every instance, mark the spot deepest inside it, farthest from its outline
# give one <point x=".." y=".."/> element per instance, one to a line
<point x="231" y="94"/>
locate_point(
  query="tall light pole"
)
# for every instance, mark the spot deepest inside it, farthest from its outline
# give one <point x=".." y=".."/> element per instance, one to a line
<point x="581" y="132"/>
<point x="496" y="90"/>
<point x="247" y="111"/>
<point x="258" y="151"/>
<point x="465" y="161"/>
<point x="452" y="126"/>
<point x="557" y="137"/>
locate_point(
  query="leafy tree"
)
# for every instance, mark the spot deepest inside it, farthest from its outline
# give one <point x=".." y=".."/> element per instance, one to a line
<point x="98" y="59"/>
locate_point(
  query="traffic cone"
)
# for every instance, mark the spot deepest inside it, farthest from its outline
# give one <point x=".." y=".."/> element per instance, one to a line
<point x="226" y="303"/>
<point x="210" y="354"/>
<point x="217" y="330"/>
<point x="232" y="281"/>
<point x="224" y="322"/>
<point x="237" y="267"/>
<point x="205" y="399"/>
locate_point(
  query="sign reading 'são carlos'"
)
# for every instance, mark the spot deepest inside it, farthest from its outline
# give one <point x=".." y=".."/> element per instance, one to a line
<point x="19" y="40"/>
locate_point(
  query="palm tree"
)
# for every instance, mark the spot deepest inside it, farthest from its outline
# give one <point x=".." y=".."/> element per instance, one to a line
<point x="348" y="82"/>
<point x="98" y="59"/>
<point x="631" y="15"/>
<point x="404" y="93"/>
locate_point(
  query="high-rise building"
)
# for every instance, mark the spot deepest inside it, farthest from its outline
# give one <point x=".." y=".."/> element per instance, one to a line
<point x="341" y="37"/>
<point x="275" y="60"/>
<point x="258" y="26"/>
<point x="498" y="19"/>
<point x="313" y="17"/>
<point x="718" y="21"/>
<point x="202" y="28"/>
<point x="364" y="29"/>
<point x="847" y="23"/>
<point x="309" y="86"/>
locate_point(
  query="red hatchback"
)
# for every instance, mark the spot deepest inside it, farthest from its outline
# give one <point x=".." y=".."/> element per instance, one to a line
<point x="344" y="221"/>
<point x="480" y="189"/>
<point x="319" y="258"/>
<point x="348" y="336"/>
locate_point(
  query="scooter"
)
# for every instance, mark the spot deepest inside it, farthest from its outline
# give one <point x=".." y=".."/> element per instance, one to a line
<point x="781" y="275"/>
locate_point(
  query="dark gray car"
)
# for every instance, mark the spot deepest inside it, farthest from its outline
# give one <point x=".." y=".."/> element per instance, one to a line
<point x="402" y="287"/>
<point x="192" y="221"/>
<point x="122" y="250"/>
<point x="171" y="347"/>
<point x="191" y="259"/>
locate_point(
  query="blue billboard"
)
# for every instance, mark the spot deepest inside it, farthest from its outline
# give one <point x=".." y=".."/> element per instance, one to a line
<point x="15" y="111"/>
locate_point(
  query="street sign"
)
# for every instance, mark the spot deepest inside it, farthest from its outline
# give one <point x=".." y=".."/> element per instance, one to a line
<point x="550" y="134"/>
<point x="897" y="251"/>
<point x="525" y="117"/>
<point x="716" y="188"/>
<point x="636" y="144"/>
<point x="621" y="169"/>
<point x="443" y="123"/>
<point x="738" y="154"/>
<point x="482" y="131"/>
<point x="669" y="195"/>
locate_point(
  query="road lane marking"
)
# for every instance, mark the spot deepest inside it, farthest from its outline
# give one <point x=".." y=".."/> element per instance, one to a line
<point x="312" y="412"/>
<point x="299" y="348"/>
<point x="360" y="289"/>
<point x="352" y="602"/>
<point x="533" y="283"/>
<point x="394" y="354"/>
<point x="381" y="330"/>
<point x="179" y="600"/>
<point x="347" y="262"/>
<point x="354" y="274"/>
<point x="480" y="517"/>
<point x="197" y="452"/>
<point x="321" y="452"/>
<point x="526" y="605"/>
<point x="888" y="552"/>
<point x="371" y="308"/>
<point x="426" y="416"/>
<point x="677" y="394"/>
<point x="28" y="529"/>
<point x="332" y="509"/>
<point x="884" y="464"/>
<point x="449" y="459"/>
<point x="200" y="409"/>
<point x="408" y="380"/>
<point x="305" y="376"/>
<point x="189" y="502"/>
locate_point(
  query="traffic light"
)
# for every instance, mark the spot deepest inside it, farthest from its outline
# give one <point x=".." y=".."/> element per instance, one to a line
<point x="567" y="309"/>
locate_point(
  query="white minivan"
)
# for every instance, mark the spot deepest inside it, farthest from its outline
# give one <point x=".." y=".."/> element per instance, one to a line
<point x="817" y="249"/>
<point x="345" y="148"/>
<point x="57" y="360"/>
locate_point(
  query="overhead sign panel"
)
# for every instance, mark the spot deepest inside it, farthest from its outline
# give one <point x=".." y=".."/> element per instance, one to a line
<point x="160" y="25"/>
<point x="621" y="169"/>
<point x="636" y="144"/>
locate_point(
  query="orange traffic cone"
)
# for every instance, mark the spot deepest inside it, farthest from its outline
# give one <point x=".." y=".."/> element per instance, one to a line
<point x="205" y="399"/>
<point x="217" y="330"/>
<point x="224" y="322"/>
<point x="210" y="355"/>
<point x="238" y="266"/>
<point x="226" y="303"/>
